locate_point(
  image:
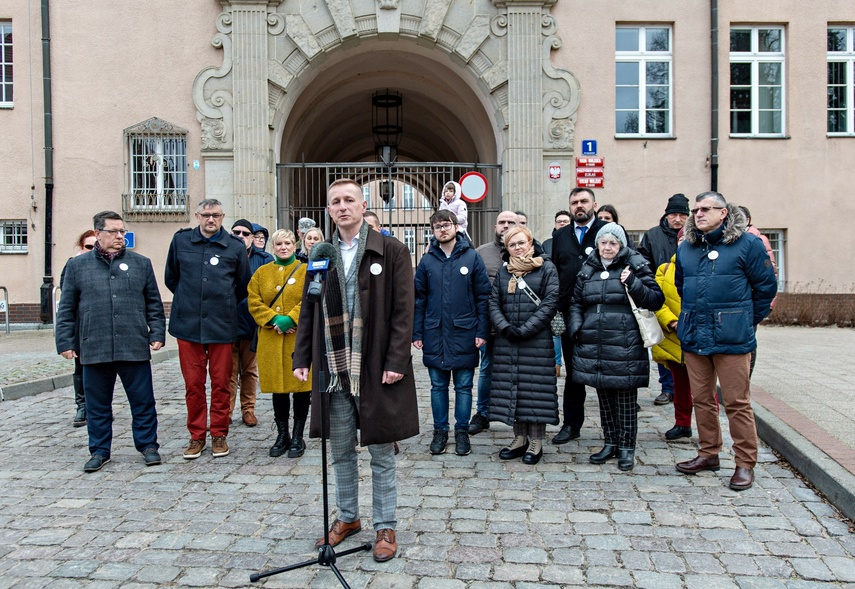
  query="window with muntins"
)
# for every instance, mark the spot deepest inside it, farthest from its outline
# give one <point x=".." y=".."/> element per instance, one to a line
<point x="14" y="237"/>
<point x="5" y="64"/>
<point x="643" y="81"/>
<point x="841" y="80"/>
<point x="409" y="194"/>
<point x="757" y="102"/>
<point x="410" y="240"/>
<point x="157" y="167"/>
<point x="777" y="239"/>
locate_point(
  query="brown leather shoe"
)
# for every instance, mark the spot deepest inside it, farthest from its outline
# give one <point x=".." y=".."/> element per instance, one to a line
<point x="339" y="531"/>
<point x="385" y="546"/>
<point x="249" y="418"/>
<point x="742" y="478"/>
<point x="698" y="464"/>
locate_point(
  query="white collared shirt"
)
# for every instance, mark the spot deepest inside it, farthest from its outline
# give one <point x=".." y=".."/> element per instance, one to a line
<point x="348" y="252"/>
<point x="588" y="225"/>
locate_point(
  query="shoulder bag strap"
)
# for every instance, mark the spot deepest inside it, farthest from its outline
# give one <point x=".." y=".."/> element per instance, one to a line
<point x="281" y="290"/>
<point x="530" y="293"/>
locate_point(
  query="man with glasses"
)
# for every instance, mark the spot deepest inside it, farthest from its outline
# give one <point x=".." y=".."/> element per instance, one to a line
<point x="110" y="316"/>
<point x="727" y="284"/>
<point x="451" y="324"/>
<point x="207" y="270"/>
<point x="571" y="246"/>
<point x="244" y="363"/>
<point x="491" y="253"/>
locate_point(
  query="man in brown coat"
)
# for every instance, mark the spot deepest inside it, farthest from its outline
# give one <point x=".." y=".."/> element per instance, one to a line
<point x="368" y="305"/>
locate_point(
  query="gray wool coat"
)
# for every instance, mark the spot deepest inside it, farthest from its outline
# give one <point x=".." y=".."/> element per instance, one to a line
<point x="115" y="305"/>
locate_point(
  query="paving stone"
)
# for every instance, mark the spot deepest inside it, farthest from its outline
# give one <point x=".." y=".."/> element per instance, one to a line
<point x="651" y="580"/>
<point x="609" y="577"/>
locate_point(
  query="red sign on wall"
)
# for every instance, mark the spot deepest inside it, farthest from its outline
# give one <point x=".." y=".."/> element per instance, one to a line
<point x="589" y="172"/>
<point x="589" y="182"/>
<point x="590" y="162"/>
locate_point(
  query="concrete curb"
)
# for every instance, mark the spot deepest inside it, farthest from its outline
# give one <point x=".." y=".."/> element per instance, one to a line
<point x="834" y="481"/>
<point x="50" y="383"/>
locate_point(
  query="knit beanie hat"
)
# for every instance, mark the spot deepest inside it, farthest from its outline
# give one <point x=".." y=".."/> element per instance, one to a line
<point x="678" y="204"/>
<point x="305" y="224"/>
<point x="612" y="229"/>
<point x="243" y="223"/>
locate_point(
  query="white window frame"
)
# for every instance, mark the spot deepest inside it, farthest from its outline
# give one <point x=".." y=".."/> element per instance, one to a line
<point x="427" y="233"/>
<point x="366" y="192"/>
<point x="156" y="164"/>
<point x="642" y="58"/>
<point x="778" y="241"/>
<point x="408" y="197"/>
<point x="13" y="236"/>
<point x="7" y="85"/>
<point x="410" y="240"/>
<point x="847" y="56"/>
<point x="754" y="57"/>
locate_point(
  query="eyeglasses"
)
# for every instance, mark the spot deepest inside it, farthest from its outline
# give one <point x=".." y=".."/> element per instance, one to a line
<point x="212" y="215"/>
<point x="241" y="233"/>
<point x="121" y="232"/>
<point x="518" y="244"/>
<point x="443" y="226"/>
<point x="705" y="210"/>
<point x="89" y="246"/>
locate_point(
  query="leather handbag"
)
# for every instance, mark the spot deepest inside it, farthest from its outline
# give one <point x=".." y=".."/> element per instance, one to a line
<point x="648" y="324"/>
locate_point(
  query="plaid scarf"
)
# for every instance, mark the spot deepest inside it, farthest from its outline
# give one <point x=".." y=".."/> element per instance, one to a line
<point x="105" y="254"/>
<point x="343" y="333"/>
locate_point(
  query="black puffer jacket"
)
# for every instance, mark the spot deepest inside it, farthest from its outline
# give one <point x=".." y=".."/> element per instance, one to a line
<point x="524" y="385"/>
<point x="609" y="352"/>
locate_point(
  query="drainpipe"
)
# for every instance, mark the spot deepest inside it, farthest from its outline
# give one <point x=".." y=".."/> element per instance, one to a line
<point x="714" y="95"/>
<point x="46" y="312"/>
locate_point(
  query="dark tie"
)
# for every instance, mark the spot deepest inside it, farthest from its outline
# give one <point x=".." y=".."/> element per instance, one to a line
<point x="582" y="231"/>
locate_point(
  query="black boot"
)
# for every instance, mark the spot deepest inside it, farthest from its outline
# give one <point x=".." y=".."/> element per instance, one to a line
<point x="283" y="440"/>
<point x="608" y="451"/>
<point x="298" y="446"/>
<point x="626" y="459"/>
<point x="80" y="416"/>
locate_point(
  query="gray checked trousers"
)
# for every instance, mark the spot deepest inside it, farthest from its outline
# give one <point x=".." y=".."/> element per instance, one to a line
<point x="346" y="467"/>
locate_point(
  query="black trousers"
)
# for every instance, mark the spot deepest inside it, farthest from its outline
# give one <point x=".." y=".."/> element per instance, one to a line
<point x="282" y="405"/>
<point x="574" y="393"/>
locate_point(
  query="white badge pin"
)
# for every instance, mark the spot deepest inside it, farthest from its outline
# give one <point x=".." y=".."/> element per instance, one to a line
<point x="123" y="266"/>
<point x="292" y="280"/>
<point x="521" y="283"/>
<point x="588" y="250"/>
<point x="215" y="260"/>
<point x="464" y="270"/>
<point x="712" y="255"/>
<point x="604" y="274"/>
<point x="376" y="269"/>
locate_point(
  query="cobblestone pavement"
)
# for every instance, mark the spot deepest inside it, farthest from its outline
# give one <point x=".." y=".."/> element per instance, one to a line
<point x="470" y="522"/>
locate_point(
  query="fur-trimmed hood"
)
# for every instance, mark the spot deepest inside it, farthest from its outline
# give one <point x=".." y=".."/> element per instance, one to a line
<point x="735" y="224"/>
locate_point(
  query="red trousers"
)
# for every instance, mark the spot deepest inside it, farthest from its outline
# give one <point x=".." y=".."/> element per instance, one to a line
<point x="197" y="360"/>
<point x="682" y="395"/>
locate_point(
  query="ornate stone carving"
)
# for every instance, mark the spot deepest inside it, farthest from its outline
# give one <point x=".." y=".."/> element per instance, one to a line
<point x="560" y="96"/>
<point x="475" y="35"/>
<point x="212" y="95"/>
<point x="342" y="14"/>
<point x="154" y="125"/>
<point x="388" y="4"/>
<point x="499" y="25"/>
<point x="433" y="17"/>
<point x="275" y="24"/>
<point x="299" y="32"/>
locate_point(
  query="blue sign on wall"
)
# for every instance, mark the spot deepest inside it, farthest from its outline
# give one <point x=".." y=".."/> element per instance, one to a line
<point x="589" y="147"/>
<point x="129" y="240"/>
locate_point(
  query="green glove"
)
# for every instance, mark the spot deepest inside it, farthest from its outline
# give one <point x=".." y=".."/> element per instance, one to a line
<point x="283" y="322"/>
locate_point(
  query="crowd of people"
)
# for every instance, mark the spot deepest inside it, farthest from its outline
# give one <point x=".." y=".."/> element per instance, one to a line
<point x="513" y="308"/>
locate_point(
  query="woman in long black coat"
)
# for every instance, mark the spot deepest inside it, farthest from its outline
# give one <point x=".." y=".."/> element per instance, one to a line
<point x="524" y="392"/>
<point x="609" y="353"/>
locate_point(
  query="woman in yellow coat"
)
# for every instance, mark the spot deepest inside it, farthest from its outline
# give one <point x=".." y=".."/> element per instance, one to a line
<point x="275" y="297"/>
<point x="669" y="352"/>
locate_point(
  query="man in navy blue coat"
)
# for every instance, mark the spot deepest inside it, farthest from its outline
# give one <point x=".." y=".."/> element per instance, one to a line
<point x="450" y="325"/>
<point x="110" y="316"/>
<point x="207" y="270"/>
<point x="727" y="284"/>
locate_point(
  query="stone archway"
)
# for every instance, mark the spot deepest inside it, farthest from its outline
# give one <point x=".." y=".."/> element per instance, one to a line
<point x="273" y="51"/>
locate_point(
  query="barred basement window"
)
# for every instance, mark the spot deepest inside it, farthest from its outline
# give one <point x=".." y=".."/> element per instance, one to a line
<point x="14" y="237"/>
<point x="156" y="153"/>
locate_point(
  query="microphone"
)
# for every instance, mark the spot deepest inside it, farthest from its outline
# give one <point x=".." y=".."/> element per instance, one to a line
<point x="319" y="262"/>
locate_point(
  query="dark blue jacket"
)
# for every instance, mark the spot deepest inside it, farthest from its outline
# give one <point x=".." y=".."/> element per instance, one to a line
<point x="207" y="278"/>
<point x="452" y="295"/>
<point x="115" y="305"/>
<point x="246" y="324"/>
<point x="724" y="297"/>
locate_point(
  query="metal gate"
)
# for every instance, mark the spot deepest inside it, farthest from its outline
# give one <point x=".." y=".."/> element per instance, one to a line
<point x="403" y="195"/>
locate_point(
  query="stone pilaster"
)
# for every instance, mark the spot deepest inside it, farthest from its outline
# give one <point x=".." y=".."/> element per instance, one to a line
<point x="254" y="172"/>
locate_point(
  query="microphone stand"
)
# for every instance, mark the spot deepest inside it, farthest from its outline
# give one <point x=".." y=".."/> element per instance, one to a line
<point x="326" y="554"/>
